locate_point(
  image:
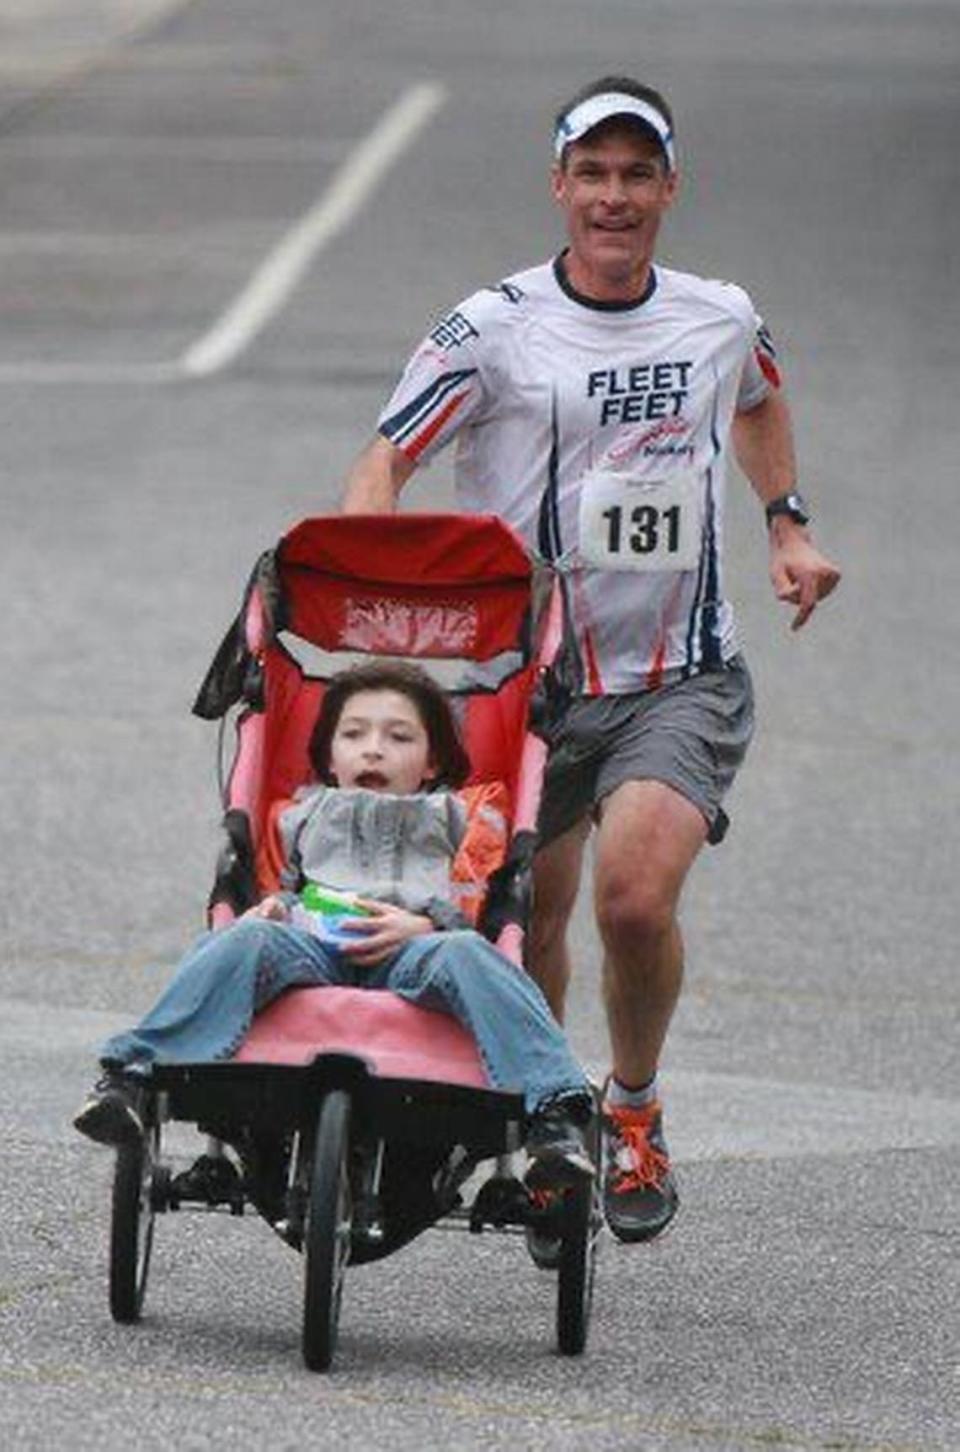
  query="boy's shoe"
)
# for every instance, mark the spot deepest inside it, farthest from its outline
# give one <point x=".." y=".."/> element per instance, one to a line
<point x="210" y="1180"/>
<point x="556" y="1144"/>
<point x="109" y="1114"/>
<point x="639" y="1192"/>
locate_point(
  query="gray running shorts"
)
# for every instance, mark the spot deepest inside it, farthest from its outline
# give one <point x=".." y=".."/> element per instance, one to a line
<point x="692" y="734"/>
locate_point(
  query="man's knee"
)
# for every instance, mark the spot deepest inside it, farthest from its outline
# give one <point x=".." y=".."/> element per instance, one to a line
<point x="649" y="838"/>
<point x="633" y="911"/>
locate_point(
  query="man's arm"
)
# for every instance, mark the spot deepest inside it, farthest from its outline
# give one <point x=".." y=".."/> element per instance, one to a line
<point x="376" y="479"/>
<point x="763" y="444"/>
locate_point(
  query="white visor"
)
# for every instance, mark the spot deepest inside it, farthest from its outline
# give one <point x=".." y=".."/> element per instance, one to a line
<point x="590" y="113"/>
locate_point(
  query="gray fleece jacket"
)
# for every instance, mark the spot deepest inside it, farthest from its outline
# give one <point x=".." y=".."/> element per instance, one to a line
<point x="397" y="849"/>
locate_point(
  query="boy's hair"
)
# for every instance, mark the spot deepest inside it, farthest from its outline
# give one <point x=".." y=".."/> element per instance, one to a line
<point x="447" y="752"/>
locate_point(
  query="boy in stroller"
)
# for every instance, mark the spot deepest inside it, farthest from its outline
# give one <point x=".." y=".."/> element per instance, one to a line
<point x="382" y="815"/>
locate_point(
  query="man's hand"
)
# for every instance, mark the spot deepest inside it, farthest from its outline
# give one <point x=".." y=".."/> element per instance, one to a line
<point x="763" y="443"/>
<point x="799" y="573"/>
<point x="382" y="933"/>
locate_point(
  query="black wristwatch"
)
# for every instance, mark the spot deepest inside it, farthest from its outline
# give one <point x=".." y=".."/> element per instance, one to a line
<point x="793" y="505"/>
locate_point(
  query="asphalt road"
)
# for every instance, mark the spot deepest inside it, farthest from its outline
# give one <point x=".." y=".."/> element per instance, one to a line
<point x="365" y="166"/>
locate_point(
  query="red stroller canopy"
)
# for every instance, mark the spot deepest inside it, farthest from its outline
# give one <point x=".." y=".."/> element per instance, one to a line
<point x="422" y="585"/>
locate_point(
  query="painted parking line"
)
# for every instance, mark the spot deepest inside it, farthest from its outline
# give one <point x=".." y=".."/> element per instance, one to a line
<point x="280" y="273"/>
<point x="96" y="373"/>
<point x="221" y="150"/>
<point x="55" y="46"/>
<point x="273" y="283"/>
<point x="711" y="1116"/>
<point x="731" y="1116"/>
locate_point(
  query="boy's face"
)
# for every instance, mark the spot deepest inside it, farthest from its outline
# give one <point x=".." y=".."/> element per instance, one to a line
<point x="381" y="743"/>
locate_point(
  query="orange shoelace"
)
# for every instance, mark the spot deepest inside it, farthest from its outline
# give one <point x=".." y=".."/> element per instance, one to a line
<point x="638" y="1164"/>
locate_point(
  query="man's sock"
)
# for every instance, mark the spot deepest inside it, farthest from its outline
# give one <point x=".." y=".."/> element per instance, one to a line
<point x="627" y="1095"/>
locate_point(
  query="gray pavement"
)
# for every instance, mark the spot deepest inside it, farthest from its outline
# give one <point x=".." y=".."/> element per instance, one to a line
<point x="152" y="158"/>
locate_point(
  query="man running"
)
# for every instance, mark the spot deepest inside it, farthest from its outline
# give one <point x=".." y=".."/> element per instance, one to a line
<point x="594" y="399"/>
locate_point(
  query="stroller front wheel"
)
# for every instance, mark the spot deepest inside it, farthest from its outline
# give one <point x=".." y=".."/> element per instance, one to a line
<point x="576" y="1268"/>
<point x="131" y="1225"/>
<point x="328" y="1231"/>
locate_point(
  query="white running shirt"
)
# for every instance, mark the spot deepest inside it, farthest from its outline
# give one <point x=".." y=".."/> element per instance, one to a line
<point x="599" y="432"/>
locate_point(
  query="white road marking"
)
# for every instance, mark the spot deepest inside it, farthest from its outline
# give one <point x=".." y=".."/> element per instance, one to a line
<point x="228" y="63"/>
<point x="284" y="268"/>
<point x="152" y="248"/>
<point x="709" y="1116"/>
<point x="96" y="373"/>
<point x="733" y="1116"/>
<point x="59" y="46"/>
<point x="219" y="149"/>
<point x="280" y="273"/>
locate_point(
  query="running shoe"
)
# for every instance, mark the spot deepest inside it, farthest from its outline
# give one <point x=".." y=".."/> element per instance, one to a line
<point x="109" y="1115"/>
<point x="210" y="1180"/>
<point x="557" y="1146"/>
<point x="639" y="1192"/>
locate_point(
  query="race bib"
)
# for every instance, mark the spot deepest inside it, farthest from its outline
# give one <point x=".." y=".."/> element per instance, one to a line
<point x="640" y="524"/>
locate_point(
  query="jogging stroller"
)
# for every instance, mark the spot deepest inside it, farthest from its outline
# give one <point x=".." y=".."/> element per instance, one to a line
<point x="358" y="1120"/>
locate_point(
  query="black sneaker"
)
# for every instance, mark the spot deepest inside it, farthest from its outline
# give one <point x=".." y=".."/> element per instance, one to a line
<point x="109" y="1115"/>
<point x="210" y="1180"/>
<point x="557" y="1146"/>
<point x="639" y="1192"/>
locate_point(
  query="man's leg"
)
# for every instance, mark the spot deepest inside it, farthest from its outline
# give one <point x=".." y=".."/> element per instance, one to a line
<point x="648" y="838"/>
<point x="556" y="880"/>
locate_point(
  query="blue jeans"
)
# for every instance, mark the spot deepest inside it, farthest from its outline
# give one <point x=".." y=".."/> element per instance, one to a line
<point x="227" y="976"/>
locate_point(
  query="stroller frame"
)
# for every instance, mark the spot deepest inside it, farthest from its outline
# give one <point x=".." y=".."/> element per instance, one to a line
<point x="345" y="1161"/>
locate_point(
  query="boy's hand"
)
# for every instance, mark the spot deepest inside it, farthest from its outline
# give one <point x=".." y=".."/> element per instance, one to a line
<point x="270" y="906"/>
<point x="382" y="933"/>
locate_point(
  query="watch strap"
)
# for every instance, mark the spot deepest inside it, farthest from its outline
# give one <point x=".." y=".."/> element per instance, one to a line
<point x="793" y="505"/>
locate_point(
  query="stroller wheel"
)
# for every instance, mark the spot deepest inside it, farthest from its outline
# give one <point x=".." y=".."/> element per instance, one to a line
<point x="577" y="1263"/>
<point x="328" y="1231"/>
<point x="131" y="1225"/>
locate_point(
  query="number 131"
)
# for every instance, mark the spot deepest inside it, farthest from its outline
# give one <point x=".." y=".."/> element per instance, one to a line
<point x="648" y="529"/>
